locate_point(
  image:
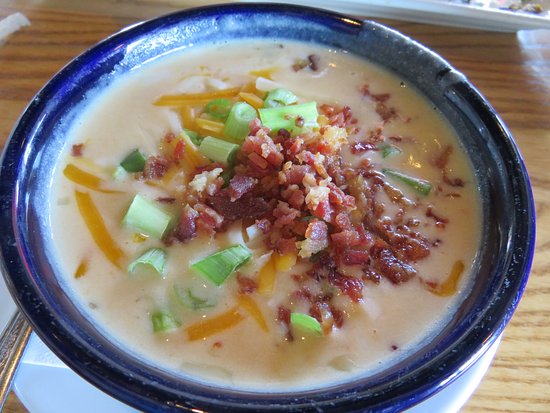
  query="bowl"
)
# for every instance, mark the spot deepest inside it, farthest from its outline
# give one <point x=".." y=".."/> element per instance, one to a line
<point x="30" y="156"/>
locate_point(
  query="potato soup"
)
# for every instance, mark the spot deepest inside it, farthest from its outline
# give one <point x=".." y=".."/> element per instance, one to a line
<point x="265" y="216"/>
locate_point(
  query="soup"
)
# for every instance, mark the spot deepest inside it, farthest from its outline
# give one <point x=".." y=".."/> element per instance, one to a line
<point x="265" y="216"/>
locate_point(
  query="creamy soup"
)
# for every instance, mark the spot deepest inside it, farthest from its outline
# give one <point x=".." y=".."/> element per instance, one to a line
<point x="266" y="216"/>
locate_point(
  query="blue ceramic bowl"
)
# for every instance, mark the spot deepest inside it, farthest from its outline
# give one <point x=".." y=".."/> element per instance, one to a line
<point x="31" y="154"/>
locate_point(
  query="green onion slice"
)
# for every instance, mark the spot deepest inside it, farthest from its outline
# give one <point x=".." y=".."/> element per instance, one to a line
<point x="388" y="149"/>
<point x="218" y="150"/>
<point x="154" y="258"/>
<point x="305" y="323"/>
<point x="164" y="321"/>
<point x="279" y="97"/>
<point x="419" y="185"/>
<point x="146" y="217"/>
<point x="134" y="161"/>
<point x="293" y="118"/>
<point x="190" y="300"/>
<point x="193" y="136"/>
<point x="237" y="125"/>
<point x="219" y="265"/>
<point x="218" y="108"/>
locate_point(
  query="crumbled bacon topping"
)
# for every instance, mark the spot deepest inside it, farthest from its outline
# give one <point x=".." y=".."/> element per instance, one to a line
<point x="306" y="200"/>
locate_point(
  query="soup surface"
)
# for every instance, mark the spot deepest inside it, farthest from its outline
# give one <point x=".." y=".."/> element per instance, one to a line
<point x="328" y="237"/>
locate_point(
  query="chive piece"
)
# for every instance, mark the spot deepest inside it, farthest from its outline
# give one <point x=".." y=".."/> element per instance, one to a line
<point x="219" y="265"/>
<point x="119" y="173"/>
<point x="154" y="258"/>
<point x="291" y="118"/>
<point x="227" y="174"/>
<point x="218" y="150"/>
<point x="164" y="321"/>
<point x="237" y="125"/>
<point x="218" y="108"/>
<point x="190" y="300"/>
<point x="306" y="324"/>
<point x="134" y="161"/>
<point x="193" y="136"/>
<point x="420" y="185"/>
<point x="388" y="149"/>
<point x="146" y="217"/>
<point x="279" y="97"/>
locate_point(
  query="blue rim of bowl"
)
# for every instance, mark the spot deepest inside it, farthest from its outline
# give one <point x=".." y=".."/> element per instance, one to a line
<point x="149" y="388"/>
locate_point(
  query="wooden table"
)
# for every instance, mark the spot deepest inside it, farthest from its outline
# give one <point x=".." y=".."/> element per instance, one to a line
<point x="511" y="70"/>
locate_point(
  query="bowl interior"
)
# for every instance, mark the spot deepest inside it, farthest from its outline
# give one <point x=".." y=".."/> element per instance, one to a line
<point x="32" y="153"/>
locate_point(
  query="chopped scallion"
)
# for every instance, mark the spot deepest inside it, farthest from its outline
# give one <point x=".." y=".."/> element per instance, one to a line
<point x="164" y="321"/>
<point x="279" y="97"/>
<point x="388" y="149"/>
<point x="119" y="173"/>
<point x="190" y="300"/>
<point x="237" y="125"/>
<point x="420" y="185"/>
<point x="218" y="266"/>
<point x="154" y="258"/>
<point x="134" y="161"/>
<point x="219" y="150"/>
<point x="146" y="217"/>
<point x="218" y="108"/>
<point x="292" y="118"/>
<point x="193" y="136"/>
<point x="305" y="323"/>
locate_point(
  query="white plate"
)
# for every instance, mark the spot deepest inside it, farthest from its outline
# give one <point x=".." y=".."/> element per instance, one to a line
<point x="480" y="14"/>
<point x="44" y="384"/>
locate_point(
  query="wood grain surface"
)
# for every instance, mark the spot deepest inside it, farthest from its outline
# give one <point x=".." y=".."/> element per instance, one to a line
<point x="511" y="70"/>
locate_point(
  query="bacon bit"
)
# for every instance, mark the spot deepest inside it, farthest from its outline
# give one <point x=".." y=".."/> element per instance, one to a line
<point x="166" y="199"/>
<point x="240" y="185"/>
<point x="389" y="265"/>
<point x="247" y="285"/>
<point x="258" y="160"/>
<point x="456" y="182"/>
<point x="314" y="61"/>
<point x="169" y="137"/>
<point x="155" y="167"/>
<point x="284" y="214"/>
<point x="386" y="113"/>
<point x="442" y="159"/>
<point x="294" y="196"/>
<point x="77" y="149"/>
<point x="377" y="97"/>
<point x="439" y="221"/>
<point x="356" y="257"/>
<point x="360" y="147"/>
<point x="283" y="317"/>
<point x="351" y="286"/>
<point x="299" y="65"/>
<point x="316" y="239"/>
<point x="245" y="207"/>
<point x="179" y="151"/>
<point x="380" y="97"/>
<point x="186" y="228"/>
<point x="285" y="246"/>
<point x="264" y="225"/>
<point x="208" y="218"/>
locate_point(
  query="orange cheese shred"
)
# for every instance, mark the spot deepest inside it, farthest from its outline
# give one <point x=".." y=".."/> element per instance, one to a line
<point x="78" y="176"/>
<point x="450" y="285"/>
<point x="93" y="220"/>
<point x="211" y="326"/>
<point x="250" y="306"/>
